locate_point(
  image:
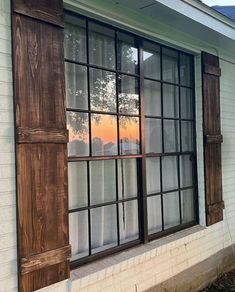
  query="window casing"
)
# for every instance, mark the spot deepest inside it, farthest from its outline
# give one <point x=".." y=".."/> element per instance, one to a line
<point x="131" y="150"/>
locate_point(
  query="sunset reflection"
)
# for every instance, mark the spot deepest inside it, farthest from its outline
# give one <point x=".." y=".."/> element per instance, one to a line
<point x="129" y="135"/>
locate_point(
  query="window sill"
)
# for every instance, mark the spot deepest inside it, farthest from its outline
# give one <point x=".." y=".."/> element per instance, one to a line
<point x="86" y="275"/>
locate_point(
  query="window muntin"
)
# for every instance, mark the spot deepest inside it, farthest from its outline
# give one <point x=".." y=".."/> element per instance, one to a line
<point x="131" y="151"/>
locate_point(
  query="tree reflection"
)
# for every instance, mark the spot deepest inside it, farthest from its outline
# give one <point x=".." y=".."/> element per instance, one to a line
<point x="103" y="98"/>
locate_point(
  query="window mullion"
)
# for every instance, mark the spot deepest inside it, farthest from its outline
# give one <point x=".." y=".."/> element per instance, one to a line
<point x="143" y="189"/>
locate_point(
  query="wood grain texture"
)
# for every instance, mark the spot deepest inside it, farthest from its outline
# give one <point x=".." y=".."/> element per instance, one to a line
<point x="41" y="137"/>
<point x="213" y="138"/>
<point x="48" y="11"/>
<point x="29" y="135"/>
<point x="46" y="259"/>
<point x="39" y="79"/>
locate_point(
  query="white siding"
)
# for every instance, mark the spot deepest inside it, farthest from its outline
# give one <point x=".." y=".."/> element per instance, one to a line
<point x="8" y="254"/>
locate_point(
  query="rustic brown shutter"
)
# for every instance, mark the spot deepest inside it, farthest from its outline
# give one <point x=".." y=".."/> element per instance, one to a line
<point x="41" y="137"/>
<point x="212" y="138"/>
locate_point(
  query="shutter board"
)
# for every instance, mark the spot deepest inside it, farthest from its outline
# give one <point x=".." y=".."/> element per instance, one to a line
<point x="48" y="11"/>
<point x="41" y="143"/>
<point x="212" y="138"/>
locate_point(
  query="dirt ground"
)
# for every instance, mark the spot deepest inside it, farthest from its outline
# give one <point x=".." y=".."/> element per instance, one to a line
<point x="225" y="283"/>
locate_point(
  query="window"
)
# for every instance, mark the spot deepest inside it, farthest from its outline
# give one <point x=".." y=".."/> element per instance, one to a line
<point x="131" y="150"/>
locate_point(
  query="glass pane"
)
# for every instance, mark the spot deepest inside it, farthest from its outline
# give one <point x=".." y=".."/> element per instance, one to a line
<point x="186" y="169"/>
<point x="104" y="134"/>
<point x="187" y="206"/>
<point x="154" y="214"/>
<point x="101" y="46"/>
<point x="169" y="173"/>
<point x="75" y="39"/>
<point x="127" y="54"/>
<point x="170" y="101"/>
<point x="171" y="136"/>
<point x="187" y="136"/>
<point x="153" y="135"/>
<point x="151" y="60"/>
<point x="127" y="178"/>
<point x="128" y="221"/>
<point x="170" y="65"/>
<point x="103" y="228"/>
<point x="129" y="135"/>
<point x="78" y="126"/>
<point x="102" y="181"/>
<point x="153" y="175"/>
<point x="185" y="70"/>
<point x="171" y="210"/>
<point x="77" y="184"/>
<point x="128" y="96"/>
<point x="76" y="86"/>
<point x="152" y="98"/>
<point x="78" y="234"/>
<point x="102" y="90"/>
<point x="186" y="103"/>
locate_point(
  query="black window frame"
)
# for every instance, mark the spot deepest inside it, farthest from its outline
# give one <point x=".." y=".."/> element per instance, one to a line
<point x="141" y="158"/>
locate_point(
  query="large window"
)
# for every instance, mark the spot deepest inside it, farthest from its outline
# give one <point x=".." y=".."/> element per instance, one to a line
<point x="131" y="150"/>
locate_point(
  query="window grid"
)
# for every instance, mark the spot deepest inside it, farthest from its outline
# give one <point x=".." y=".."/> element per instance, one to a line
<point x="142" y="156"/>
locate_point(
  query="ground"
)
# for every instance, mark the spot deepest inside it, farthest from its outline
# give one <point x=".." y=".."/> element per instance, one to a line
<point x="225" y="283"/>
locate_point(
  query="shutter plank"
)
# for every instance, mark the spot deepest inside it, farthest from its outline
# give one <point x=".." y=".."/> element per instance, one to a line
<point x="41" y="137"/>
<point x="213" y="138"/>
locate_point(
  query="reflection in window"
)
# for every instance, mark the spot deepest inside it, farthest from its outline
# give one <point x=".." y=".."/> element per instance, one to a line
<point x="151" y="60"/>
<point x="78" y="126"/>
<point x="102" y="90"/>
<point x="170" y="65"/>
<point x="104" y="134"/>
<point x="128" y="95"/>
<point x="127" y="54"/>
<point x="101" y="46"/>
<point x="129" y="135"/>
<point x="76" y="86"/>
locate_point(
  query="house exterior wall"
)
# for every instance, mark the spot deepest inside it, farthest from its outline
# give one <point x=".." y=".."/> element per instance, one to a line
<point x="8" y="246"/>
<point x="146" y="266"/>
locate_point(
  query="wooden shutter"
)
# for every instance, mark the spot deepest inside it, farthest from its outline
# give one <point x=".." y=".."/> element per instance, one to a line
<point x="41" y="137"/>
<point x="212" y="138"/>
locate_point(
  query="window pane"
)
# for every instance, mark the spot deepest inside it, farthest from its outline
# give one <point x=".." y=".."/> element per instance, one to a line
<point x="127" y="54"/>
<point x="187" y="206"/>
<point x="102" y="90"/>
<point x="78" y="234"/>
<point x="170" y="101"/>
<point x="76" y="86"/>
<point x="102" y="181"/>
<point x="128" y="96"/>
<point x="101" y="46"/>
<point x="127" y="178"/>
<point x="187" y="136"/>
<point x="154" y="214"/>
<point x="129" y="135"/>
<point x="78" y="126"/>
<point x="171" y="209"/>
<point x="104" y="134"/>
<point x="170" y="65"/>
<point x="153" y="135"/>
<point x="103" y="228"/>
<point x="153" y="175"/>
<point x="171" y="136"/>
<point x="152" y="98"/>
<point x="128" y="221"/>
<point x="185" y="70"/>
<point x="75" y="39"/>
<point x="169" y="173"/>
<point x="186" y="103"/>
<point x="151" y="60"/>
<point x="186" y="169"/>
<point x="77" y="184"/>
